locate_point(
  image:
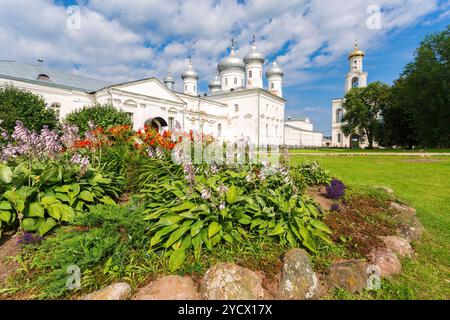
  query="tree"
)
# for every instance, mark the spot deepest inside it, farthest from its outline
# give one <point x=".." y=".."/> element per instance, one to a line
<point x="424" y="91"/>
<point x="104" y="116"/>
<point x="397" y="124"/>
<point x="29" y="108"/>
<point x="363" y="111"/>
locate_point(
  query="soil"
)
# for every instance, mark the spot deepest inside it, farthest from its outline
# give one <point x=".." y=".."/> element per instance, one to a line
<point x="8" y="249"/>
<point x="320" y="196"/>
<point x="359" y="224"/>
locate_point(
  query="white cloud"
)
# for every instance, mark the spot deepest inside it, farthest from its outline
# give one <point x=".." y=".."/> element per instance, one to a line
<point x="129" y="39"/>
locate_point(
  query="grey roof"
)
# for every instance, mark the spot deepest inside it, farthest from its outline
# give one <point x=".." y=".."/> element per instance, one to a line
<point x="296" y="119"/>
<point x="27" y="72"/>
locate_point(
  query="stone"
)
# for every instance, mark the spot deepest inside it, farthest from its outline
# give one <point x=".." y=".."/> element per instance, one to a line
<point x="398" y="245"/>
<point x="116" y="291"/>
<point x="402" y="208"/>
<point x="228" y="281"/>
<point x="409" y="227"/>
<point x="169" y="288"/>
<point x="349" y="275"/>
<point x="387" y="262"/>
<point x="298" y="279"/>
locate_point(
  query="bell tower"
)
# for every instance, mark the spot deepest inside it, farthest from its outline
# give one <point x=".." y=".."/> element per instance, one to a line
<point x="356" y="77"/>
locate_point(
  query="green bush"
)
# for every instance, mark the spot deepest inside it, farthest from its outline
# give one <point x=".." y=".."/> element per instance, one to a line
<point x="232" y="206"/>
<point x="43" y="195"/>
<point x="104" y="116"/>
<point x="313" y="174"/>
<point x="29" y="108"/>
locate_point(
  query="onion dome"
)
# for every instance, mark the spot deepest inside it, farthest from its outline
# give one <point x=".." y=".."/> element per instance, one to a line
<point x="215" y="83"/>
<point x="231" y="62"/>
<point x="189" y="72"/>
<point x="356" y="52"/>
<point x="253" y="55"/>
<point x="169" y="78"/>
<point x="274" y="70"/>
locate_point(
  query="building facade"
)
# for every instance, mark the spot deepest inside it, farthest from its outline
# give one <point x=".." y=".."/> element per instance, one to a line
<point x="355" y="78"/>
<point x="236" y="106"/>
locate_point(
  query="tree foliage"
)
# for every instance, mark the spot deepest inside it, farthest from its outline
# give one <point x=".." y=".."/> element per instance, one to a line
<point x="105" y="116"/>
<point x="363" y="108"/>
<point x="29" y="108"/>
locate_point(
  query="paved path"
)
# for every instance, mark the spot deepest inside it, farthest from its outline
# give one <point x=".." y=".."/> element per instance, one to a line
<point x="403" y="154"/>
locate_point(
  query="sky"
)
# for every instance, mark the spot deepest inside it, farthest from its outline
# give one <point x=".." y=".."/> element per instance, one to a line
<point x="123" y="40"/>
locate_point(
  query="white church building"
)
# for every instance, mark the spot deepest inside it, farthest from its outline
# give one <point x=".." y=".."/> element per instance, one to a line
<point x="356" y="78"/>
<point x="236" y="106"/>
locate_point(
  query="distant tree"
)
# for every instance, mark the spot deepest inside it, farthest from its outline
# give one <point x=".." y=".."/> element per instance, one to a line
<point x="363" y="111"/>
<point x="29" y="108"/>
<point x="396" y="122"/>
<point x="423" y="91"/>
<point x="104" y="116"/>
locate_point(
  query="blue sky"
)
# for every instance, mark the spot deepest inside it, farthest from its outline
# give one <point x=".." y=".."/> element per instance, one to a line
<point x="123" y="40"/>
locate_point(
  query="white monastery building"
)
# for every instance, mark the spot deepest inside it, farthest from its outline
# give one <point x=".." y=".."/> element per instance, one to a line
<point x="356" y="78"/>
<point x="237" y="105"/>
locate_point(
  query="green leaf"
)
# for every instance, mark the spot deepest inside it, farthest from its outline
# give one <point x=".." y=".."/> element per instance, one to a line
<point x="197" y="242"/>
<point x="46" y="226"/>
<point x="5" y="216"/>
<point x="74" y="190"/>
<point x="29" y="224"/>
<point x="232" y="195"/>
<point x="5" y="205"/>
<point x="67" y="213"/>
<point x="63" y="189"/>
<point x="62" y="197"/>
<point x="196" y="228"/>
<point x="176" y="235"/>
<point x="321" y="226"/>
<point x="36" y="210"/>
<point x="176" y="259"/>
<point x="169" y="220"/>
<point x="86" y="196"/>
<point x="213" y="228"/>
<point x="279" y="229"/>
<point x="107" y="200"/>
<point x="245" y="219"/>
<point x="49" y="200"/>
<point x="5" y="174"/>
<point x="184" y="207"/>
<point x="158" y="235"/>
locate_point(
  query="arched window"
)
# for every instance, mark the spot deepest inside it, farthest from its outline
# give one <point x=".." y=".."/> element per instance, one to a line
<point x="271" y="85"/>
<point x="219" y="130"/>
<point x="250" y="73"/>
<point x="339" y="115"/>
<point x="236" y="107"/>
<point x="55" y="106"/>
<point x="276" y="131"/>
<point x="185" y="87"/>
<point x="355" y="83"/>
<point x="226" y="81"/>
<point x="267" y="130"/>
<point x="235" y="80"/>
<point x="43" y="76"/>
<point x="194" y="88"/>
<point x="339" y="138"/>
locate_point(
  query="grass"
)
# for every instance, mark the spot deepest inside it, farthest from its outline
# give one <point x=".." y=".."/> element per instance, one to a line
<point x="425" y="185"/>
<point x="336" y="150"/>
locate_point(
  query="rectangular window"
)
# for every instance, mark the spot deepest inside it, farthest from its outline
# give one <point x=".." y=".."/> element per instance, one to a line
<point x="171" y="121"/>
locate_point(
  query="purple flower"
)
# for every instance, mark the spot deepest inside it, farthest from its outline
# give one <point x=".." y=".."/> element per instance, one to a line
<point x="206" y="194"/>
<point x="29" y="238"/>
<point x="83" y="162"/>
<point x="336" y="189"/>
<point x="189" y="172"/>
<point x="335" y="207"/>
<point x="69" y="135"/>
<point x="222" y="189"/>
<point x="222" y="206"/>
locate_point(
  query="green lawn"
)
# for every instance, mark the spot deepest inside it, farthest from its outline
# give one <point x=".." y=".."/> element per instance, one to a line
<point x="335" y="150"/>
<point x="425" y="184"/>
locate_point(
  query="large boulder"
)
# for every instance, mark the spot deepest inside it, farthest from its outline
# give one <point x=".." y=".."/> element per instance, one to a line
<point x="116" y="291"/>
<point x="349" y="275"/>
<point x="169" y="288"/>
<point x="228" y="281"/>
<point x="387" y="262"/>
<point x="398" y="245"/>
<point x="298" y="279"/>
<point x="409" y="227"/>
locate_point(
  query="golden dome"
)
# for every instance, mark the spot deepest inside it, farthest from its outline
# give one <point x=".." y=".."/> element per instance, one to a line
<point x="356" y="52"/>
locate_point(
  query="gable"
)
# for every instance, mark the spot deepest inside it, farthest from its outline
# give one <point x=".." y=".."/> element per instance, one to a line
<point x="149" y="87"/>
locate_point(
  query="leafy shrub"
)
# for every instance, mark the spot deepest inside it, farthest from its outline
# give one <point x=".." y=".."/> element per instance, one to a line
<point x="201" y="209"/>
<point x="22" y="105"/>
<point x="56" y="194"/>
<point x="104" y="116"/>
<point x="313" y="173"/>
<point x="336" y="189"/>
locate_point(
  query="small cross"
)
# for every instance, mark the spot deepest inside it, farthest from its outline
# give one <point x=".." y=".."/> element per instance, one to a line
<point x="232" y="42"/>
<point x="254" y="39"/>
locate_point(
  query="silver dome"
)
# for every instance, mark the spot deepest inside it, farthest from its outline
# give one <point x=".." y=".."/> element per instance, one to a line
<point x="189" y="72"/>
<point x="274" y="70"/>
<point x="215" y="83"/>
<point x="169" y="78"/>
<point x="254" y="56"/>
<point x="231" y="62"/>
